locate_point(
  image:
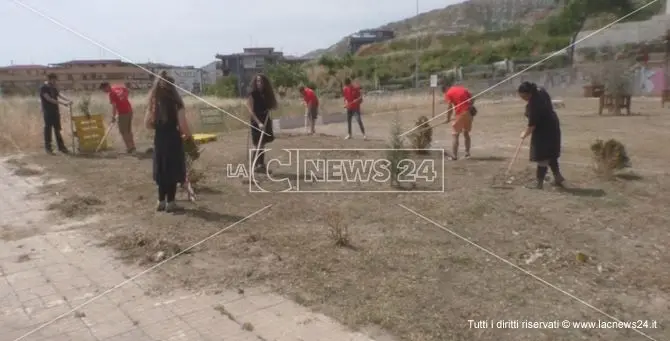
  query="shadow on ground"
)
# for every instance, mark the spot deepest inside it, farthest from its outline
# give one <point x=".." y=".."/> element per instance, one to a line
<point x="208" y="215"/>
<point x="584" y="192"/>
<point x="488" y="158"/>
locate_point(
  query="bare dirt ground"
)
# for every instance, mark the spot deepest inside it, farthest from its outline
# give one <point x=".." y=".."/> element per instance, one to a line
<point x="605" y="242"/>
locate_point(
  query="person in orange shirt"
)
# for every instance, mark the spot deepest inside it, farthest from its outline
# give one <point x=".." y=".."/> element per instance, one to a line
<point x="352" y="102"/>
<point x="311" y="105"/>
<point x="121" y="108"/>
<point x="461" y="105"/>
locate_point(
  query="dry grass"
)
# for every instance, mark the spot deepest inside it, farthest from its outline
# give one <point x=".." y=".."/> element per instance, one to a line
<point x="602" y="241"/>
<point x="21" y="126"/>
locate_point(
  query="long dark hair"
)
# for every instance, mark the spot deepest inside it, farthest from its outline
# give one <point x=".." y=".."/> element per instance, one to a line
<point x="163" y="93"/>
<point x="267" y="92"/>
<point x="528" y="88"/>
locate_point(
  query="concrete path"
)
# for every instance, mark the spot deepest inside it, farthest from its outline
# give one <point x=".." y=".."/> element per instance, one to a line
<point x="48" y="270"/>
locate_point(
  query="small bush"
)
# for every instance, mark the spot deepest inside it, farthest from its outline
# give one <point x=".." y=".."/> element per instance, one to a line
<point x="339" y="229"/>
<point x="609" y="157"/>
<point x="396" y="153"/>
<point x="422" y="136"/>
<point x="84" y="105"/>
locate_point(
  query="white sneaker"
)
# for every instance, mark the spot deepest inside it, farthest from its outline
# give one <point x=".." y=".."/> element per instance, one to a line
<point x="347" y="137"/>
<point x="365" y="138"/>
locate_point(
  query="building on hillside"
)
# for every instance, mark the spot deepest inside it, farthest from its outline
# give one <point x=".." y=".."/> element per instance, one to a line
<point x="187" y="78"/>
<point x="251" y="61"/>
<point x="86" y="75"/>
<point x="211" y="73"/>
<point x="21" y="79"/>
<point x="365" y="37"/>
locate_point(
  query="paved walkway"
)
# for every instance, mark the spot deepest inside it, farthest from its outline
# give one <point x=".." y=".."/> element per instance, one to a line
<point x="47" y="270"/>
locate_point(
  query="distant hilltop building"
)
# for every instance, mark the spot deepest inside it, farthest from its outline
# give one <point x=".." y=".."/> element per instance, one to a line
<point x="251" y="61"/>
<point x="365" y="37"/>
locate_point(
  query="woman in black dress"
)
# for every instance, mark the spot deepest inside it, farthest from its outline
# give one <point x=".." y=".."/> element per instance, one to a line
<point x="545" y="130"/>
<point x="167" y="117"/>
<point x="260" y="102"/>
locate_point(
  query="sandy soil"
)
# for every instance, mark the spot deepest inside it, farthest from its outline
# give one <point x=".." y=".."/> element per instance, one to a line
<point x="604" y="242"/>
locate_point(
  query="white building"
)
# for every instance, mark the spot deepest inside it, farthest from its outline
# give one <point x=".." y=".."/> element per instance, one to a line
<point x="211" y="73"/>
<point x="186" y="78"/>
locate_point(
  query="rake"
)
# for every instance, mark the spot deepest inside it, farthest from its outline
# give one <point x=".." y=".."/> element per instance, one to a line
<point x="104" y="138"/>
<point x="502" y="179"/>
<point x="253" y="159"/>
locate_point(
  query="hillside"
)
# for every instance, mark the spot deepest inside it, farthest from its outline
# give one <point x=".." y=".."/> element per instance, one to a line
<point x="472" y="15"/>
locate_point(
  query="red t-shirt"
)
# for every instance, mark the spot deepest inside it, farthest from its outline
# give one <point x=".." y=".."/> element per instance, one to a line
<point x="118" y="96"/>
<point x="310" y="97"/>
<point x="350" y="93"/>
<point x="460" y="97"/>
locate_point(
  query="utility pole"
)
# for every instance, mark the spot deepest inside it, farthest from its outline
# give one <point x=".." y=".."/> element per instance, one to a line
<point x="416" y="50"/>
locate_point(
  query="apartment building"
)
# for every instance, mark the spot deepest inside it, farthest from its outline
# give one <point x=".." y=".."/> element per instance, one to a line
<point x="21" y="79"/>
<point x="75" y="75"/>
<point x="78" y="75"/>
<point x="211" y="73"/>
<point x="187" y="78"/>
<point x="86" y="75"/>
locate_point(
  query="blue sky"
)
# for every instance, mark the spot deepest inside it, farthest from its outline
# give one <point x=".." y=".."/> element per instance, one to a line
<point x="186" y="32"/>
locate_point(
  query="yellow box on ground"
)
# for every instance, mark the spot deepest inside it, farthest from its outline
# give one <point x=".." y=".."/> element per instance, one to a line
<point x="204" y="138"/>
<point x="89" y="131"/>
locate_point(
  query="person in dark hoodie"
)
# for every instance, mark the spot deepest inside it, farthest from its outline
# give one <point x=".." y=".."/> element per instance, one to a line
<point x="544" y="130"/>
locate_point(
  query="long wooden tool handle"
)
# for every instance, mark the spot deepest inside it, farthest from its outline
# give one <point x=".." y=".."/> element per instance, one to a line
<point x="260" y="140"/>
<point x="516" y="154"/>
<point x="111" y="125"/>
<point x="428" y="126"/>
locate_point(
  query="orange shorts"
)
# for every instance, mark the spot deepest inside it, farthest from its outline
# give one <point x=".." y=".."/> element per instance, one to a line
<point x="462" y="123"/>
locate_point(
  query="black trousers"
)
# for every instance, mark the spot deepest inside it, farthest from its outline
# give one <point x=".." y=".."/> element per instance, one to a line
<point x="167" y="191"/>
<point x="258" y="154"/>
<point x="52" y="123"/>
<point x="357" y="114"/>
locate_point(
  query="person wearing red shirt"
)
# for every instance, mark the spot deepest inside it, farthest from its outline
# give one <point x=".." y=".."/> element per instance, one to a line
<point x="352" y="102"/>
<point x="311" y="105"/>
<point x="461" y="105"/>
<point x="121" y="108"/>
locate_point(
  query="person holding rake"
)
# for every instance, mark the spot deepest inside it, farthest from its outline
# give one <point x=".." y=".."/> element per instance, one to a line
<point x="545" y="133"/>
<point x="352" y="103"/>
<point x="166" y="115"/>
<point x="260" y="102"/>
<point x="311" y="107"/>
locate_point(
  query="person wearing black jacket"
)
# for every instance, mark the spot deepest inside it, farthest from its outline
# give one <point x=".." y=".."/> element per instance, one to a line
<point x="544" y="130"/>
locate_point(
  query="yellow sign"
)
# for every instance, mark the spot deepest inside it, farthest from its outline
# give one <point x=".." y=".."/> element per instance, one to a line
<point x="89" y="131"/>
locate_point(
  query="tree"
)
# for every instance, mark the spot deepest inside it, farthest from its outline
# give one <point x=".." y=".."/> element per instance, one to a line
<point x="224" y="87"/>
<point x="286" y="75"/>
<point x="571" y="20"/>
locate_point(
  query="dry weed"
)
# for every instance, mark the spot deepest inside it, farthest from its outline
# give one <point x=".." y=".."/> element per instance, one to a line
<point x="338" y="228"/>
<point x="76" y="206"/>
<point x="609" y="156"/>
<point x="422" y="136"/>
